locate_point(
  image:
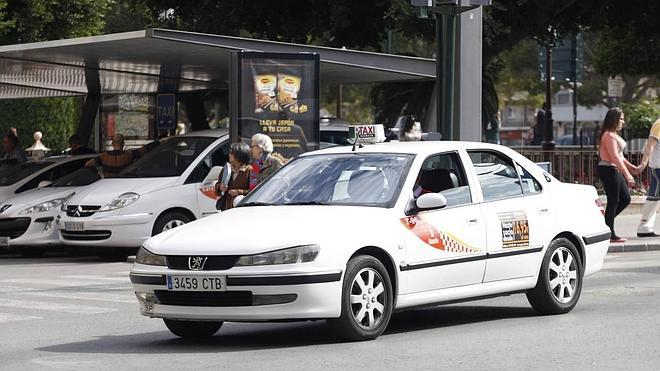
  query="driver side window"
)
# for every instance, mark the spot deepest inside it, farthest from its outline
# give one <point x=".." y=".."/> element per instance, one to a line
<point x="217" y="157"/>
<point x="444" y="174"/>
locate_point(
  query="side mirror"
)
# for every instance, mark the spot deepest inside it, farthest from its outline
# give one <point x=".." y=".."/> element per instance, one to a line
<point x="44" y="183"/>
<point x="238" y="199"/>
<point x="212" y="176"/>
<point x="429" y="201"/>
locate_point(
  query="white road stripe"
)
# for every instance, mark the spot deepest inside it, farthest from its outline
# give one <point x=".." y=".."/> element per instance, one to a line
<point x="55" y="307"/>
<point x="7" y="317"/>
<point x="87" y="278"/>
<point x="54" y="282"/>
<point x="113" y="298"/>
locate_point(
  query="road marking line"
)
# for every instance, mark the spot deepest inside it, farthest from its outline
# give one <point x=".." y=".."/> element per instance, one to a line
<point x="78" y="296"/>
<point x="7" y="317"/>
<point x="85" y="278"/>
<point x="55" y="307"/>
<point x="54" y="282"/>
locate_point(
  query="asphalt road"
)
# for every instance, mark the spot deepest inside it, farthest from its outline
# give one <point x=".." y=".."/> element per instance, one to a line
<point x="80" y="313"/>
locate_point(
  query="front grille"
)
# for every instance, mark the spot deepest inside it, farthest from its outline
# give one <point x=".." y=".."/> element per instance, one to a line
<point x="81" y="210"/>
<point x="213" y="263"/>
<point x="205" y="299"/>
<point x="86" y="235"/>
<point x="13" y="227"/>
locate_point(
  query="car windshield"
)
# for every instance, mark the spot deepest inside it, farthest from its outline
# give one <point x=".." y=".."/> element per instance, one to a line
<point x="171" y="158"/>
<point x="373" y="179"/>
<point x="81" y="177"/>
<point x="335" y="136"/>
<point x="10" y="174"/>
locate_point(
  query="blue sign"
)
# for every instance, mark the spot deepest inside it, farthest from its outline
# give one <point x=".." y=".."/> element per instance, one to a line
<point x="165" y="111"/>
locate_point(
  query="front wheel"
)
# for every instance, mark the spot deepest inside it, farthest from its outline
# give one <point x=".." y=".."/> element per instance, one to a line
<point x="367" y="299"/>
<point x="560" y="280"/>
<point x="192" y="329"/>
<point x="170" y="220"/>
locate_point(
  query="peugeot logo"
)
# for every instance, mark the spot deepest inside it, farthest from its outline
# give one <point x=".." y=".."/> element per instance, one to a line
<point x="78" y="211"/>
<point x="196" y="263"/>
<point x="3" y="208"/>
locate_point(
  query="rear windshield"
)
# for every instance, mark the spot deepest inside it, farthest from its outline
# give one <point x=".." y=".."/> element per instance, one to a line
<point x="10" y="174"/>
<point x="81" y="177"/>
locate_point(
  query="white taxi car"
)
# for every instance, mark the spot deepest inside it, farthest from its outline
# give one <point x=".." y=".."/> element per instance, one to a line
<point x="169" y="186"/>
<point x="27" y="221"/>
<point x="421" y="223"/>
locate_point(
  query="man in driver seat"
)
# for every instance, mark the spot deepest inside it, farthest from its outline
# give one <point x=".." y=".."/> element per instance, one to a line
<point x="114" y="161"/>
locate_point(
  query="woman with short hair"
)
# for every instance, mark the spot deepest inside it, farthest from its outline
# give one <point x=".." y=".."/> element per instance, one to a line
<point x="239" y="180"/>
<point x="264" y="164"/>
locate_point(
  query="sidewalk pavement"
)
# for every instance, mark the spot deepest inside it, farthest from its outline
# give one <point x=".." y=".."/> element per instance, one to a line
<point x="626" y="226"/>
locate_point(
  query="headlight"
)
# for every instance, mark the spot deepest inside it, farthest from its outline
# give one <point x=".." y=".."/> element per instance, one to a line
<point x="45" y="206"/>
<point x="298" y="254"/>
<point x="121" y="201"/>
<point x="145" y="256"/>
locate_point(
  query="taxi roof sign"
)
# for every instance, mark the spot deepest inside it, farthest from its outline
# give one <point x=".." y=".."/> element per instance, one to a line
<point x="366" y="134"/>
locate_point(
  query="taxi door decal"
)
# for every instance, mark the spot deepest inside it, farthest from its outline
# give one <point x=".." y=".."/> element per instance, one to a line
<point x="209" y="191"/>
<point x="435" y="238"/>
<point x="515" y="229"/>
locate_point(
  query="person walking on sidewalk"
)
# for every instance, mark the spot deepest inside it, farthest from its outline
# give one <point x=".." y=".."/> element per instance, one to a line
<point x="652" y="158"/>
<point x="614" y="170"/>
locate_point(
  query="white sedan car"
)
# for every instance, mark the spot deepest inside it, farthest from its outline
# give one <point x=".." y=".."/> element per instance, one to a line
<point x="413" y="224"/>
<point x="27" y="221"/>
<point x="169" y="186"/>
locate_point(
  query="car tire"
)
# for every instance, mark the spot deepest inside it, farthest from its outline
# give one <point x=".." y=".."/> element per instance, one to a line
<point x="559" y="284"/>
<point x="365" y="313"/>
<point x="170" y="220"/>
<point x="192" y="329"/>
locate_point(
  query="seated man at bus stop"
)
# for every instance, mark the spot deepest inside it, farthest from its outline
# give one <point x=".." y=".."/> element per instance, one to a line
<point x="114" y="161"/>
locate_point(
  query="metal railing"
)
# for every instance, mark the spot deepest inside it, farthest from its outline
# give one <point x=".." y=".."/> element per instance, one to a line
<point x="580" y="166"/>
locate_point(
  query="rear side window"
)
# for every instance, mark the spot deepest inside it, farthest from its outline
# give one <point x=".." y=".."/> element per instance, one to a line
<point x="444" y="174"/>
<point x="497" y="176"/>
<point x="529" y="184"/>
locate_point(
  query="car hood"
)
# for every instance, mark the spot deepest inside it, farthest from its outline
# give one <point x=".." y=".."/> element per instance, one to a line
<point x="36" y="196"/>
<point x="256" y="229"/>
<point x="103" y="191"/>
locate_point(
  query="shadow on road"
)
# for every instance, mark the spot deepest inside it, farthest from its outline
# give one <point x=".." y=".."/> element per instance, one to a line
<point x="242" y="337"/>
<point x="57" y="254"/>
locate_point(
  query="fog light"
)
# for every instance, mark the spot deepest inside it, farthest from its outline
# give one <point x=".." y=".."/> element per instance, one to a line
<point x="147" y="297"/>
<point x="273" y="299"/>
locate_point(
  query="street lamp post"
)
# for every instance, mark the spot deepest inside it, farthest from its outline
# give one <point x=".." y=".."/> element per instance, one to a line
<point x="548" y="141"/>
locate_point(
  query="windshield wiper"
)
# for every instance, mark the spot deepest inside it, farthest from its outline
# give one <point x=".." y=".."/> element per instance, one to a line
<point x="255" y="203"/>
<point x="306" y="203"/>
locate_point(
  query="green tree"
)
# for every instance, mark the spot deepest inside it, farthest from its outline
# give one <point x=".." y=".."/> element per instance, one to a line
<point x="23" y="21"/>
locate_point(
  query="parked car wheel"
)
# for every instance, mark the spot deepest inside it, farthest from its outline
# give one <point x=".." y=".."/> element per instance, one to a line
<point x="192" y="329"/>
<point x="170" y="220"/>
<point x="560" y="280"/>
<point x="367" y="300"/>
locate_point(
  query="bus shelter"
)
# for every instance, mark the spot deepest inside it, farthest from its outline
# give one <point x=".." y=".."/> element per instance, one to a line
<point x="120" y="76"/>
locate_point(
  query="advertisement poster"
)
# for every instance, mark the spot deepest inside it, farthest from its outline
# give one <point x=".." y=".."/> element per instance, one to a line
<point x="276" y="94"/>
<point x="515" y="229"/>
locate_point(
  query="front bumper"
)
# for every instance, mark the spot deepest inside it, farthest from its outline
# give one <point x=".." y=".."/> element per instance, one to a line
<point x="106" y="229"/>
<point x="41" y="231"/>
<point x="297" y="295"/>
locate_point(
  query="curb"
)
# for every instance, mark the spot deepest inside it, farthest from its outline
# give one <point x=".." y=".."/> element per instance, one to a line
<point x="131" y="258"/>
<point x="634" y="246"/>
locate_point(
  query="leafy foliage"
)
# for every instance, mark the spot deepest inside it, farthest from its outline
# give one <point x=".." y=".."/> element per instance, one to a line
<point x="639" y="117"/>
<point x="54" y="117"/>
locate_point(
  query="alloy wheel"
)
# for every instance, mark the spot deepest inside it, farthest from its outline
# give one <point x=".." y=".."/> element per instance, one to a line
<point x="368" y="298"/>
<point x="563" y="275"/>
<point x="173" y="224"/>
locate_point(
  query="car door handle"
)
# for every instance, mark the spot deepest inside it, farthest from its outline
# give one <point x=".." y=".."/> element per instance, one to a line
<point x="472" y="221"/>
<point x="544" y="210"/>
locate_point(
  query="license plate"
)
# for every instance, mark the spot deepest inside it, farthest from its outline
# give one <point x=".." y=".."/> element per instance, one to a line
<point x="196" y="283"/>
<point x="74" y="226"/>
<point x="4" y="241"/>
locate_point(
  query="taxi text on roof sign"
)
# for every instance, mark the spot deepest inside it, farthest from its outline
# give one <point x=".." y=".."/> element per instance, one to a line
<point x="366" y="134"/>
